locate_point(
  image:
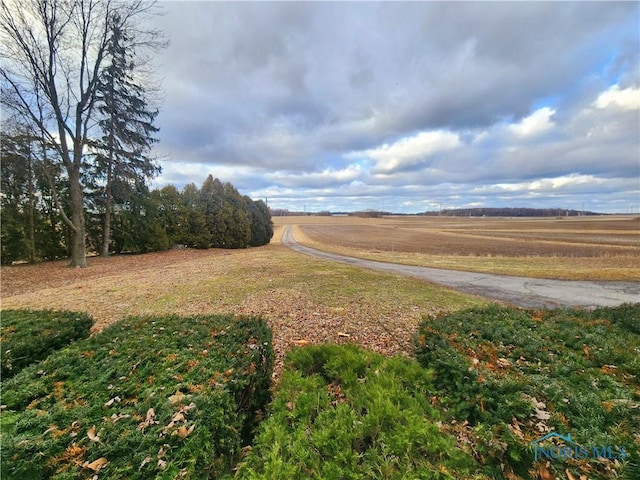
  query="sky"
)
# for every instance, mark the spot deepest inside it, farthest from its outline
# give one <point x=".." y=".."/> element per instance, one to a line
<point x="404" y="106"/>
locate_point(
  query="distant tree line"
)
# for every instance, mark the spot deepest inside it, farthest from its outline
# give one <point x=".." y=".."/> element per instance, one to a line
<point x="511" y="212"/>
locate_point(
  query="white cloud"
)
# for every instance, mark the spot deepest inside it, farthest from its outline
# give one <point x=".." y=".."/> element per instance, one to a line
<point x="626" y="99"/>
<point x="327" y="177"/>
<point x="546" y="185"/>
<point x="412" y="151"/>
<point x="536" y="123"/>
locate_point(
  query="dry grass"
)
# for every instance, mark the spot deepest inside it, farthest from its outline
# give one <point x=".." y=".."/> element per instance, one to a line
<point x="303" y="298"/>
<point x="583" y="248"/>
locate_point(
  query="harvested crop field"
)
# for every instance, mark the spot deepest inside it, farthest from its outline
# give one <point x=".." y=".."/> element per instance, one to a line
<point x="596" y="248"/>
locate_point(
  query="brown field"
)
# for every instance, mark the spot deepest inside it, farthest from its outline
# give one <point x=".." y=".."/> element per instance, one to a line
<point x="586" y="248"/>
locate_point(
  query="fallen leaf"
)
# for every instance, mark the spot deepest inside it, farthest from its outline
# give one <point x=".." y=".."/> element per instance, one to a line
<point x="515" y="429"/>
<point x="120" y="416"/>
<point x="91" y="433"/>
<point x="184" y="432"/>
<point x="301" y="343"/>
<point x="162" y="450"/>
<point x="342" y="334"/>
<point x="111" y="402"/>
<point x="542" y="415"/>
<point x="177" y="397"/>
<point x="149" y="419"/>
<point x="569" y="475"/>
<point x="177" y="417"/>
<point x="96" y="464"/>
<point x="145" y="461"/>
<point x="545" y="474"/>
<point x="503" y="362"/>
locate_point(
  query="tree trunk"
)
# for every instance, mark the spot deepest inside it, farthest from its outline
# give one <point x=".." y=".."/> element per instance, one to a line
<point x="32" y="228"/>
<point x="106" y="228"/>
<point x="78" y="248"/>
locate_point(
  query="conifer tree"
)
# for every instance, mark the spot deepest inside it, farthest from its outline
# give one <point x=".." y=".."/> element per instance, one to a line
<point x="123" y="163"/>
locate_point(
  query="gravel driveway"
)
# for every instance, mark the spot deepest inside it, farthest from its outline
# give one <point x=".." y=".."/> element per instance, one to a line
<point x="521" y="291"/>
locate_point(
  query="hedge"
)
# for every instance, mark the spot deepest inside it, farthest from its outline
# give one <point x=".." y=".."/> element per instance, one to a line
<point x="28" y="336"/>
<point x="341" y="412"/>
<point x="511" y="376"/>
<point x="147" y="398"/>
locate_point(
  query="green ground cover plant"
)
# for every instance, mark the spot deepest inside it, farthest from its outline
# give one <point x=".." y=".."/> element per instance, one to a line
<point x="342" y="412"/>
<point x="149" y="397"/>
<point x="28" y="336"/>
<point x="507" y="377"/>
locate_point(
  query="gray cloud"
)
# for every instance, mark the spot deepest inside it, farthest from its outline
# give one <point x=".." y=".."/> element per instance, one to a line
<point x="299" y="100"/>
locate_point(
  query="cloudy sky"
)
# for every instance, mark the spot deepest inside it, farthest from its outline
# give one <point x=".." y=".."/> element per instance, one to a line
<point x="404" y="107"/>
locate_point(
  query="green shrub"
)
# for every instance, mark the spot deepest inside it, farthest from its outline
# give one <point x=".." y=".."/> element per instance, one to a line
<point x="516" y="374"/>
<point x="344" y="412"/>
<point x="626" y="315"/>
<point x="28" y="336"/>
<point x="147" y="398"/>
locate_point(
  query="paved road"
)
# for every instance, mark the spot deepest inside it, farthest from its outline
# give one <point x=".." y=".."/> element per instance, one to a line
<point x="522" y="291"/>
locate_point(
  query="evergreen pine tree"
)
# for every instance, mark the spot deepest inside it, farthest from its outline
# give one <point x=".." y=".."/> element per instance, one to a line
<point x="123" y="163"/>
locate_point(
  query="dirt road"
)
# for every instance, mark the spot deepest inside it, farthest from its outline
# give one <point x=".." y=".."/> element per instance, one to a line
<point x="522" y="291"/>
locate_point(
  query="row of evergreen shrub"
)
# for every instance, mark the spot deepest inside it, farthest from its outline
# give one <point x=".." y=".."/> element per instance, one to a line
<point x="486" y="385"/>
<point x="167" y="397"/>
<point x="515" y="375"/>
<point x="176" y="397"/>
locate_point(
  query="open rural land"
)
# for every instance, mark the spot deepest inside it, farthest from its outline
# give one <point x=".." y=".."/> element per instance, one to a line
<point x="434" y="384"/>
<point x="572" y="248"/>
<point x="319" y="240"/>
<point x="304" y="299"/>
<point x="311" y="300"/>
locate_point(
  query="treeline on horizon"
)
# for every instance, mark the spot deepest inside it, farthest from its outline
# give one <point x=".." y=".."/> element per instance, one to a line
<point x="456" y="212"/>
<point x="215" y="215"/>
<point x="512" y="212"/>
